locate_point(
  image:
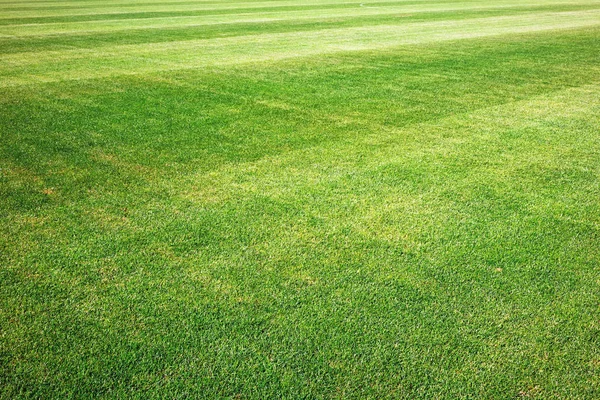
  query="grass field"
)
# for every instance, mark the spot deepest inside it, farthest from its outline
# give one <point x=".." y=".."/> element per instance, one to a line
<point x="300" y="199"/>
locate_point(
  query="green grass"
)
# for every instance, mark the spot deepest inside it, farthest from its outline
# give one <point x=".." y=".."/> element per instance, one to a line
<point x="300" y="199"/>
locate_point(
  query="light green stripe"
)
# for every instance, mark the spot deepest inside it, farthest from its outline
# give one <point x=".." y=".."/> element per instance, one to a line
<point x="162" y="7"/>
<point x="43" y="66"/>
<point x="179" y="22"/>
<point x="247" y="6"/>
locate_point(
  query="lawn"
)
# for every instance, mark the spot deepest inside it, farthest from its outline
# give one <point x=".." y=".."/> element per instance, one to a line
<point x="300" y="199"/>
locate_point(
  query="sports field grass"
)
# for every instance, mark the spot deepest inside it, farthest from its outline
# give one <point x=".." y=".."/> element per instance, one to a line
<point x="300" y="199"/>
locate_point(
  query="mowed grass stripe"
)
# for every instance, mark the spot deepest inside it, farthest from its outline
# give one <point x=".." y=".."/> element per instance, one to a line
<point x="134" y="3"/>
<point x="332" y="18"/>
<point x="25" y="68"/>
<point x="167" y="10"/>
<point x="459" y="90"/>
<point x="8" y="18"/>
<point x="24" y="6"/>
<point x="89" y="39"/>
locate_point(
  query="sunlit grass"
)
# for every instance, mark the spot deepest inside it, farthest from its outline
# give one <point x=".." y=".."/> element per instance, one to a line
<point x="402" y="203"/>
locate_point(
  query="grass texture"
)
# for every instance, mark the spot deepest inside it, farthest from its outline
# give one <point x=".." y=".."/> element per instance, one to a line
<point x="300" y="199"/>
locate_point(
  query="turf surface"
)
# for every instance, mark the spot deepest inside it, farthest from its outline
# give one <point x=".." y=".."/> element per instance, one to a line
<point x="300" y="199"/>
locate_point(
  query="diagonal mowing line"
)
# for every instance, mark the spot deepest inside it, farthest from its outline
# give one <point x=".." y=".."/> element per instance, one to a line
<point x="291" y="171"/>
